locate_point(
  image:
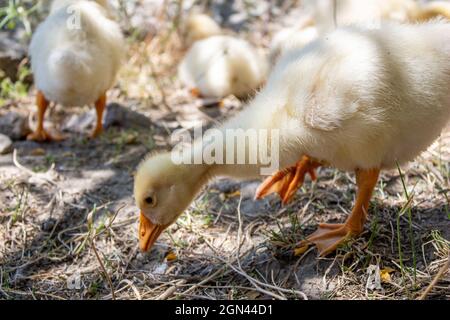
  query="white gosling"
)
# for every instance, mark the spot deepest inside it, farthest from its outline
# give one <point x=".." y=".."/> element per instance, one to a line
<point x="219" y="66"/>
<point x="75" y="55"/>
<point x="359" y="99"/>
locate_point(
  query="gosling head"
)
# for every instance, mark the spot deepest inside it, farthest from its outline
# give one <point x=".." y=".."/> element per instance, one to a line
<point x="163" y="190"/>
<point x="200" y="26"/>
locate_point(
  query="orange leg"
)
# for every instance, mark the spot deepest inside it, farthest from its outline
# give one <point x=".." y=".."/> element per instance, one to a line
<point x="286" y="182"/>
<point x="40" y="134"/>
<point x="329" y="236"/>
<point x="100" y="105"/>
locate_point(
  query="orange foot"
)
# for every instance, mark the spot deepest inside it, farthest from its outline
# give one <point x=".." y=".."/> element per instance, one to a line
<point x="96" y="133"/>
<point x="329" y="236"/>
<point x="287" y="181"/>
<point x="41" y="135"/>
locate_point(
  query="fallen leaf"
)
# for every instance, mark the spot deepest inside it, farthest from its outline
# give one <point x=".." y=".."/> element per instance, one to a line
<point x="385" y="274"/>
<point x="38" y="152"/>
<point x="234" y="194"/>
<point x="131" y="138"/>
<point x="171" y="256"/>
<point x="300" y="250"/>
<point x="253" y="295"/>
<point x="373" y="278"/>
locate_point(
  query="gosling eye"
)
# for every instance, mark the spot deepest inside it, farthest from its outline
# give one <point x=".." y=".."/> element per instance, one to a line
<point x="150" y="200"/>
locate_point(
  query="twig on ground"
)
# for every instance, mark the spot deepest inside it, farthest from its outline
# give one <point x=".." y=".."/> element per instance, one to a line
<point x="92" y="242"/>
<point x="108" y="278"/>
<point x="203" y="281"/>
<point x="169" y="292"/>
<point x="254" y="281"/>
<point x="436" y="279"/>
<point x="42" y="176"/>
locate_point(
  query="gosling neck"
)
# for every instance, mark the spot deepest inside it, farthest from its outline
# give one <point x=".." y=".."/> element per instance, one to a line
<point x="196" y="176"/>
<point x="203" y="171"/>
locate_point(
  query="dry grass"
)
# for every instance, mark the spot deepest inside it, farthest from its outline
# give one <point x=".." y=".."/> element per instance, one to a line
<point x="68" y="222"/>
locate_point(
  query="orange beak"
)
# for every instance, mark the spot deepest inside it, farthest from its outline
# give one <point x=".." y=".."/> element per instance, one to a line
<point x="148" y="233"/>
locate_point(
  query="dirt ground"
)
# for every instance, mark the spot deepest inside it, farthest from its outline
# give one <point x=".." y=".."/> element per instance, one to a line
<point x="68" y="223"/>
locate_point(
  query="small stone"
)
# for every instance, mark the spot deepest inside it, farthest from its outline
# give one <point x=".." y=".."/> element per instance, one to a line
<point x="160" y="268"/>
<point x="14" y="125"/>
<point x="248" y="189"/>
<point x="115" y="115"/>
<point x="142" y="257"/>
<point x="226" y="186"/>
<point x="252" y="208"/>
<point x="81" y="123"/>
<point x="5" y="144"/>
<point x="118" y="115"/>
